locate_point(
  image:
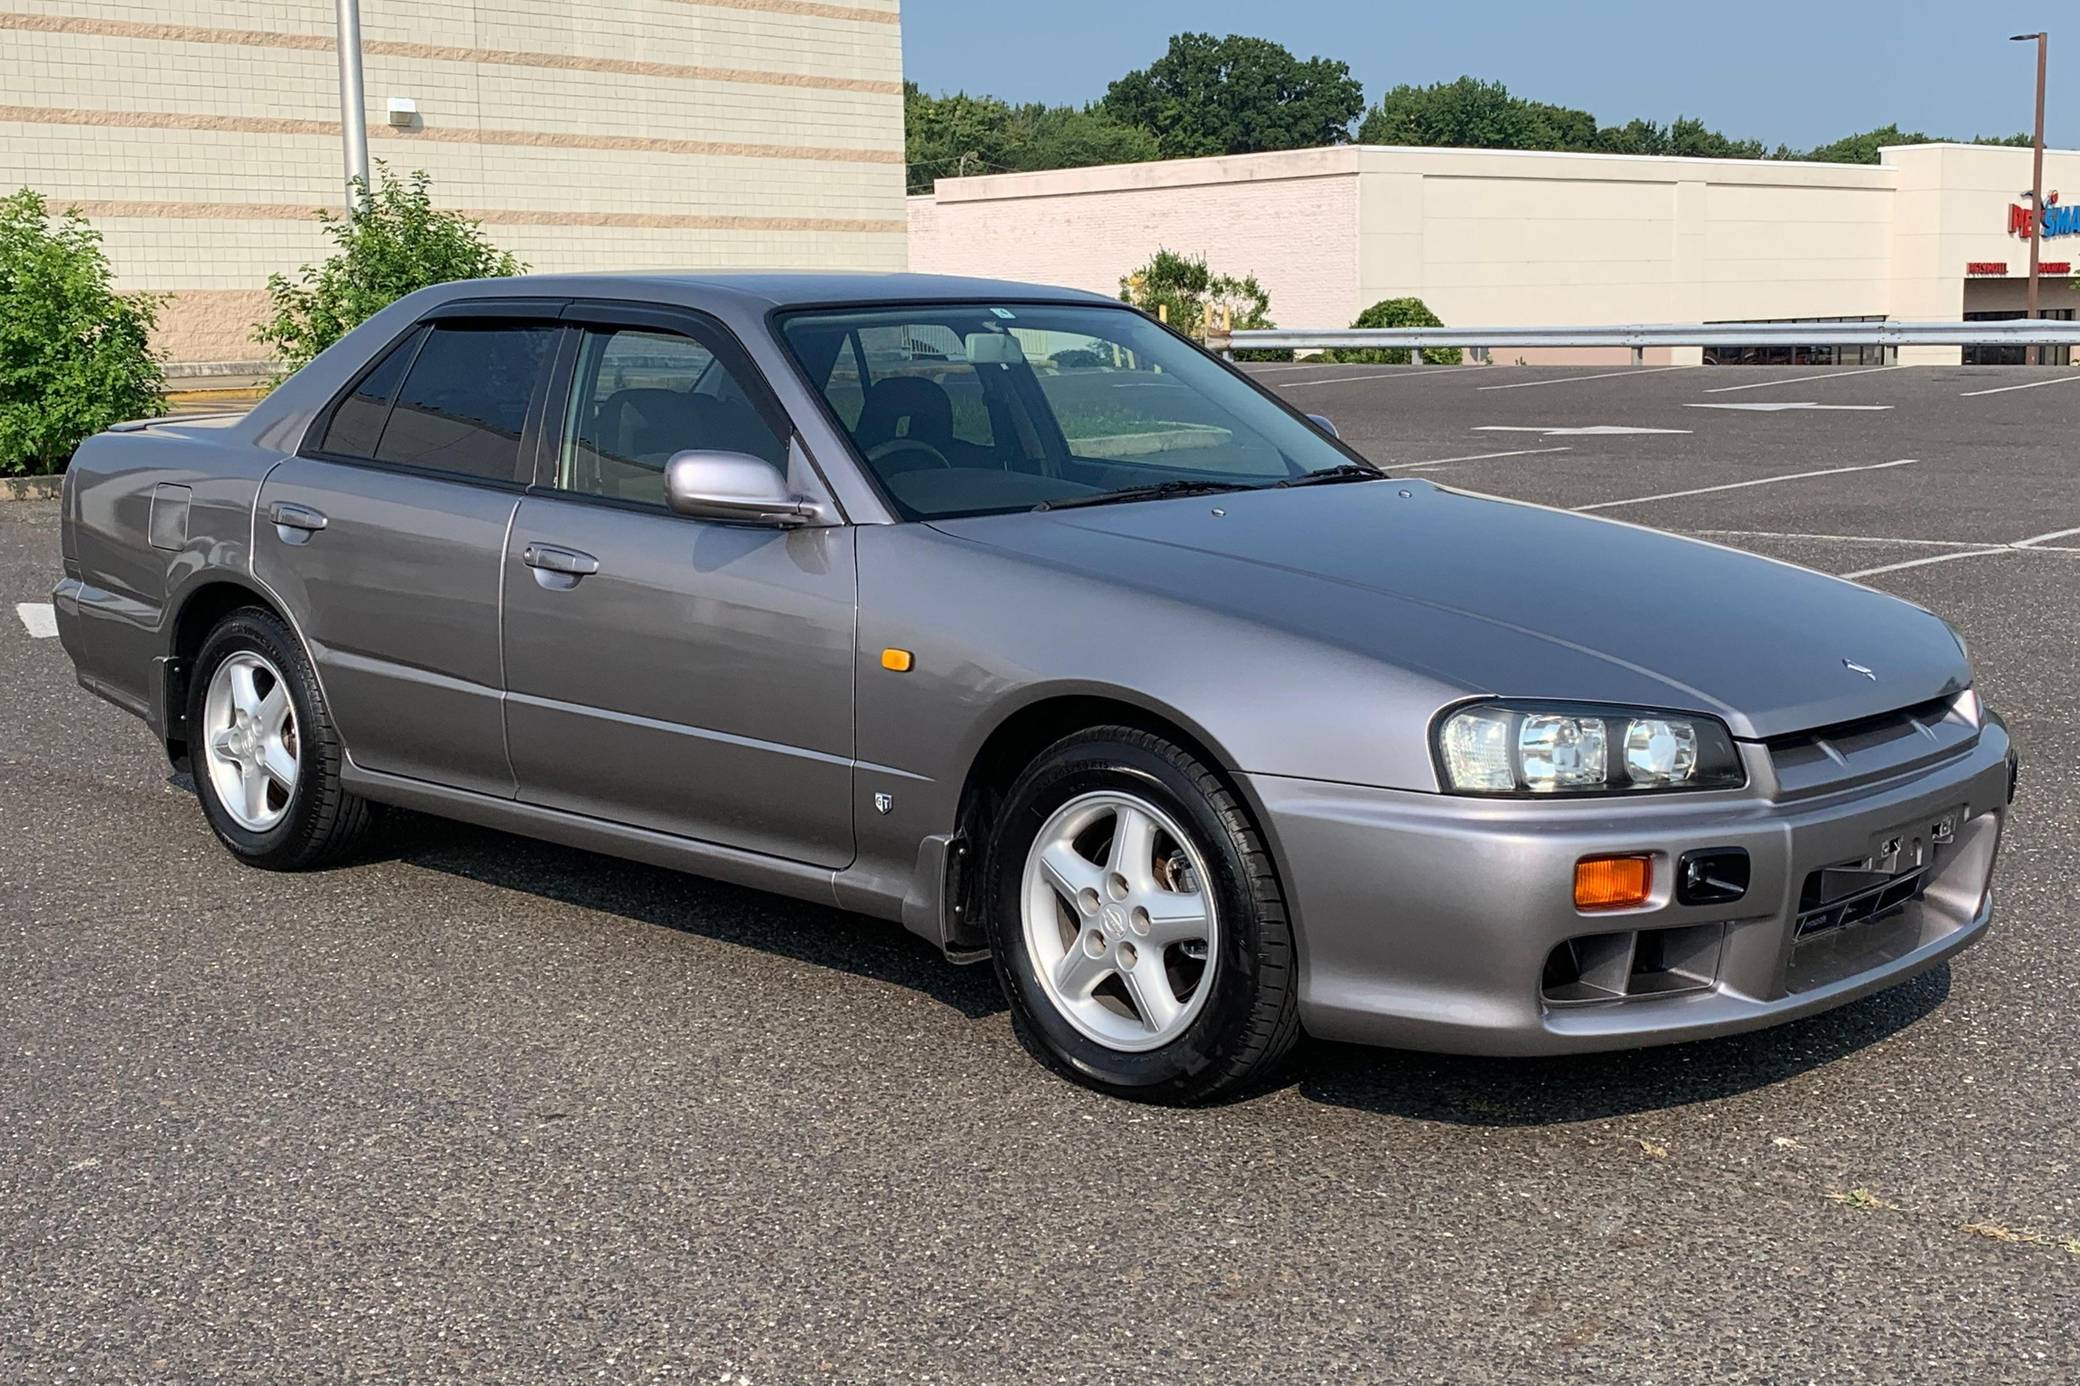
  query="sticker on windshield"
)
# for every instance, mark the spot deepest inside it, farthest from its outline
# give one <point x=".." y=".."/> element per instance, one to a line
<point x="1004" y="313"/>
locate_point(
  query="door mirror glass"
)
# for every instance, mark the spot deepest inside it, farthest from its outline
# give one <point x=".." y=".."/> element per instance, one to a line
<point x="1323" y="422"/>
<point x="732" y="486"/>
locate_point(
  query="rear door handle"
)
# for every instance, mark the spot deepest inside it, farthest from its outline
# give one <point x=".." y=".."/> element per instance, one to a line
<point x="557" y="569"/>
<point x="295" y="523"/>
<point x="557" y="560"/>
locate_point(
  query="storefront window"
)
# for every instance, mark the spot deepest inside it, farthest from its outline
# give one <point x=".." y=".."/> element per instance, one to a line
<point x="2014" y="355"/>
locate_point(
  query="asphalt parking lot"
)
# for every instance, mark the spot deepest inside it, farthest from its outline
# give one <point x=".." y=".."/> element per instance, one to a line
<point x="477" y="1108"/>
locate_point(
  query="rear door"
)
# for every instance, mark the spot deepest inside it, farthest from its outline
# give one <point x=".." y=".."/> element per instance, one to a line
<point x="681" y="675"/>
<point x="384" y="541"/>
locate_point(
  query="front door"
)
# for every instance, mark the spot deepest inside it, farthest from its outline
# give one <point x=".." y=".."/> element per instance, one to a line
<point x="384" y="543"/>
<point x="686" y="676"/>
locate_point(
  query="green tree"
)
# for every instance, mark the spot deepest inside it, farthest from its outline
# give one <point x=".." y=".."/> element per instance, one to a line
<point x="961" y="135"/>
<point x="1863" y="148"/>
<point x="1396" y="312"/>
<point x="1184" y="292"/>
<point x="1467" y="113"/>
<point x="392" y="241"/>
<point x="74" y="354"/>
<point x="1236" y="95"/>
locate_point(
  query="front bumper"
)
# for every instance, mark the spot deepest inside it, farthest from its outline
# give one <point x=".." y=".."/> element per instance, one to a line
<point x="1426" y="921"/>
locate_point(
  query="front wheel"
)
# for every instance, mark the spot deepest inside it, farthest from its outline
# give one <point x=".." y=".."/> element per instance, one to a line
<point x="1136" y="924"/>
<point x="266" y="758"/>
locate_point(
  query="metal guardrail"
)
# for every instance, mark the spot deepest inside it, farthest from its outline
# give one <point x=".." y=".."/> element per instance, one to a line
<point x="1639" y="336"/>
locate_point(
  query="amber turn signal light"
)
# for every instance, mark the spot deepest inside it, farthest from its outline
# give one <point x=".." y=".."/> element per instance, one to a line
<point x="1612" y="883"/>
<point x="897" y="660"/>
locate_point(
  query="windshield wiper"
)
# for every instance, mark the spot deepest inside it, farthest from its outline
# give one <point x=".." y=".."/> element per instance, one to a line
<point x="1161" y="489"/>
<point x="1342" y="471"/>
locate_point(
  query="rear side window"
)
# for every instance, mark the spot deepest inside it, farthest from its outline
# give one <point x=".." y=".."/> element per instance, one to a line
<point x="357" y="423"/>
<point x="463" y="405"/>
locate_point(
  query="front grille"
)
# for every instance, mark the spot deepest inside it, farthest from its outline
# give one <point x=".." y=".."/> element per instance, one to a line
<point x="1846" y="753"/>
<point x="1822" y="907"/>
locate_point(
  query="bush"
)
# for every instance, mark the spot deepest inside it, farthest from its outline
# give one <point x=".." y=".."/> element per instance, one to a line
<point x="74" y="354"/>
<point x="1396" y="312"/>
<point x="1184" y="292"/>
<point x="392" y="241"/>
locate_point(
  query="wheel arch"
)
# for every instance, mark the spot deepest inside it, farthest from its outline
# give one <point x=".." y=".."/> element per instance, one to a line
<point x="1020" y="733"/>
<point x="194" y="614"/>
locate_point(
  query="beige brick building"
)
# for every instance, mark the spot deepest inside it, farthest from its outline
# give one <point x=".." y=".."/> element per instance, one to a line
<point x="203" y="138"/>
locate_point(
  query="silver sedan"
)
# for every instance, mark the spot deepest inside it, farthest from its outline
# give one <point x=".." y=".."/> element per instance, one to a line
<point x="1006" y="613"/>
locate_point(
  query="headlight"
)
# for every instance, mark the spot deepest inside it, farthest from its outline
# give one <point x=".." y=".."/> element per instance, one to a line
<point x="1517" y="749"/>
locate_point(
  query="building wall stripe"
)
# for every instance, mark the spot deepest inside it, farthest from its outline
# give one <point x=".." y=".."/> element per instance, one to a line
<point x="496" y="216"/>
<point x="552" y="139"/>
<point x="808" y="8"/>
<point x="436" y="52"/>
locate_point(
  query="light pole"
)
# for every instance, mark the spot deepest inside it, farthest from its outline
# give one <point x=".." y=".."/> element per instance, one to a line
<point x="2036" y="197"/>
<point x="353" y="108"/>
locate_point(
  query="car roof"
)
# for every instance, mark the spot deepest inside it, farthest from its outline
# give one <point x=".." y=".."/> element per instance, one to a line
<point x="776" y="288"/>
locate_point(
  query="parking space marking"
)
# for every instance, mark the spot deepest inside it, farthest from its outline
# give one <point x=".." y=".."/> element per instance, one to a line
<point x="1755" y="481"/>
<point x="1838" y="538"/>
<point x="1591" y="431"/>
<point x="38" y="618"/>
<point x="1796" y="379"/>
<point x="2036" y="539"/>
<point x="1392" y="373"/>
<point x="2031" y="385"/>
<point x="1571" y="379"/>
<point x="1776" y="406"/>
<point x="1476" y="457"/>
<point x="1924" y="562"/>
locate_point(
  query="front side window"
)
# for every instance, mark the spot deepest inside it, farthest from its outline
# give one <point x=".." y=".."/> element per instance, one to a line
<point x="640" y="396"/>
<point x="463" y="405"/>
<point x="964" y="409"/>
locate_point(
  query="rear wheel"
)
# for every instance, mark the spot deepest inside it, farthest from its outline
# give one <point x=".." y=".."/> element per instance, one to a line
<point x="266" y="757"/>
<point x="1136" y="924"/>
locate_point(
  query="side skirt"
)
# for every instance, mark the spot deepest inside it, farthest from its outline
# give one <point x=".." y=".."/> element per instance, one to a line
<point x="800" y="880"/>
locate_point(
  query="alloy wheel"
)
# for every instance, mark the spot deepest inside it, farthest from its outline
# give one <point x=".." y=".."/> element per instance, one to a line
<point x="249" y="741"/>
<point x="1118" y="920"/>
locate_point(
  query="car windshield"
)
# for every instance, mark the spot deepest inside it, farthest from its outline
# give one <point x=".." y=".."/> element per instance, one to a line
<point x="979" y="408"/>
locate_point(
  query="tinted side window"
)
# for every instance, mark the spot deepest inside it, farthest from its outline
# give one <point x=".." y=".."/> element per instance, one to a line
<point x="640" y="396"/>
<point x="358" y="422"/>
<point x="464" y="404"/>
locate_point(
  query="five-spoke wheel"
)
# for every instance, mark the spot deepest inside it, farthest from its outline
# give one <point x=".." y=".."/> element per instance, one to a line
<point x="1135" y="921"/>
<point x="249" y="740"/>
<point x="1119" y="928"/>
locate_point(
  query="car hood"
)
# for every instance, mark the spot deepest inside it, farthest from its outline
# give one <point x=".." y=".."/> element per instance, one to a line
<point x="1502" y="598"/>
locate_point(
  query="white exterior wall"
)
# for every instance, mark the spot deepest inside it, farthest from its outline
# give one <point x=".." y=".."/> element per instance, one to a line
<point x="203" y="138"/>
<point x="1506" y="237"/>
<point x="1290" y="219"/>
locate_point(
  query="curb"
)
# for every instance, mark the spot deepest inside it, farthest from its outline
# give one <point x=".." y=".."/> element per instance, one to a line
<point x="27" y="488"/>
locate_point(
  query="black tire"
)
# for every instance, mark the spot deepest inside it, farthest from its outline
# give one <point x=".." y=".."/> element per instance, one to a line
<point x="1250" y="1019"/>
<point x="322" y="820"/>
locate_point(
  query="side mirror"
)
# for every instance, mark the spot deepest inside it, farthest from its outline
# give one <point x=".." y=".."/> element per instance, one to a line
<point x="734" y="486"/>
<point x="1322" y="422"/>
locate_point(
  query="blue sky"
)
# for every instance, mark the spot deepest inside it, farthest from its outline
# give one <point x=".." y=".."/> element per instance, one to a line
<point x="1798" y="75"/>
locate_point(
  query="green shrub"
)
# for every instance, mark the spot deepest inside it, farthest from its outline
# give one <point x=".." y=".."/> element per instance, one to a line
<point x="392" y="241"/>
<point x="74" y="354"/>
<point x="1185" y="293"/>
<point x="1396" y="312"/>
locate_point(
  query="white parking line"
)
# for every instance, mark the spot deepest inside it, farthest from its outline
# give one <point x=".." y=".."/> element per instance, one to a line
<point x="1475" y="457"/>
<point x="1837" y="538"/>
<point x="1571" y="379"/>
<point x="1796" y="379"/>
<point x="1590" y="431"/>
<point x="1756" y="481"/>
<point x="40" y="621"/>
<point x="1779" y="406"/>
<point x="1392" y="373"/>
<point x="1924" y="562"/>
<point x="2031" y="385"/>
<point x="2037" y="539"/>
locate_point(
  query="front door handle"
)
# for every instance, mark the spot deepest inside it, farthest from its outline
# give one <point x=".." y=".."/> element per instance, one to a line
<point x="558" y="569"/>
<point x="295" y="523"/>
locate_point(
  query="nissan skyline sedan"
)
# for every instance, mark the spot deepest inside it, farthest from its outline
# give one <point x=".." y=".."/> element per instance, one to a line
<point x="1006" y="613"/>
